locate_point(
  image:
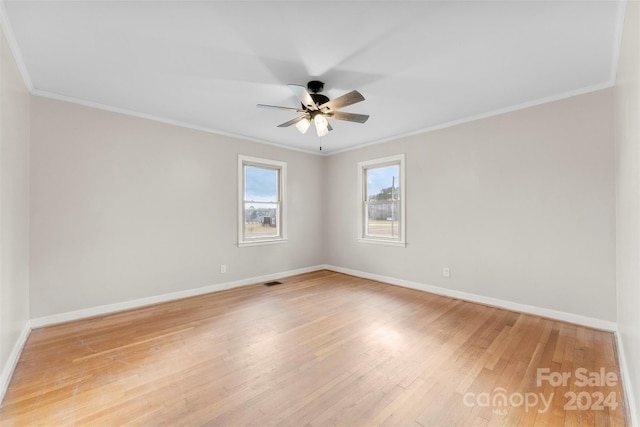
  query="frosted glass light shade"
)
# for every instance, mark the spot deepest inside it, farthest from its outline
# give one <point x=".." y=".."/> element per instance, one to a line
<point x="322" y="126"/>
<point x="303" y="125"/>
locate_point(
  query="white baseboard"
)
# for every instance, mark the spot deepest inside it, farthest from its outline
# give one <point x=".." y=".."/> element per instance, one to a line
<point x="494" y="302"/>
<point x="126" y="305"/>
<point x="627" y="385"/>
<point x="10" y="365"/>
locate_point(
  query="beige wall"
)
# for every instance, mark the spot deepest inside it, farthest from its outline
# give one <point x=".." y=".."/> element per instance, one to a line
<point x="519" y="206"/>
<point x="627" y="92"/>
<point x="14" y="206"/>
<point x="126" y="208"/>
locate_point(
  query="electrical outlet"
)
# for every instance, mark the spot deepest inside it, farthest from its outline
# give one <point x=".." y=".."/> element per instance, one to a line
<point x="223" y="268"/>
<point x="446" y="272"/>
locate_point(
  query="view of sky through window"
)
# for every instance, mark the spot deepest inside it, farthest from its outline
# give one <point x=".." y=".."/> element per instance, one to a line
<point x="381" y="178"/>
<point x="261" y="184"/>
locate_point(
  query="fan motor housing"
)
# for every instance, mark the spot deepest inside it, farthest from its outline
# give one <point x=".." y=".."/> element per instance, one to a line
<point x="315" y="87"/>
<point x="318" y="98"/>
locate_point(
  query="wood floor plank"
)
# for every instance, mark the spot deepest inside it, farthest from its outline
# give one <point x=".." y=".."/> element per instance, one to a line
<point x="323" y="348"/>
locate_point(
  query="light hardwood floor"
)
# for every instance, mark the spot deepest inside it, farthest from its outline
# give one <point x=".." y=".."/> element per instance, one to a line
<point x="321" y="349"/>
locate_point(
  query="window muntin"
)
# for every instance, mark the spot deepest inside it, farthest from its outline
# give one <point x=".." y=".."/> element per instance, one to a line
<point x="382" y="212"/>
<point x="261" y="195"/>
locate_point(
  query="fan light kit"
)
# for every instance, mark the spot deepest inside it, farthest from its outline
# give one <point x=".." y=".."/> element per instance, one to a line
<point x="318" y="108"/>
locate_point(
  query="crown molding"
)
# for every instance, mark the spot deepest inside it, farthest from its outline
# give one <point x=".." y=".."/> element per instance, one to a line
<point x="497" y="112"/>
<point x="617" y="42"/>
<point x="8" y="31"/>
<point x="13" y="45"/>
<point x="131" y="113"/>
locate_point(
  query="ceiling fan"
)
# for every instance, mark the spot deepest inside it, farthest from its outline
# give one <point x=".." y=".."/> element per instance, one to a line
<point x="318" y="108"/>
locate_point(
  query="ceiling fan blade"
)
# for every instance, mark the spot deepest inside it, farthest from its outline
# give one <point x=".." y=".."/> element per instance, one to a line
<point x="275" y="107"/>
<point x="342" y="101"/>
<point x="303" y="96"/>
<point x="292" y="121"/>
<point x="350" y="117"/>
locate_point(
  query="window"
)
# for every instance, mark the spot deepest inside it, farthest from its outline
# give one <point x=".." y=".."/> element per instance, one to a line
<point x="262" y="209"/>
<point x="382" y="201"/>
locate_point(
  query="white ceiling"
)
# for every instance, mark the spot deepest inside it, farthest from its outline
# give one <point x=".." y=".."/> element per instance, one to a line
<point x="420" y="65"/>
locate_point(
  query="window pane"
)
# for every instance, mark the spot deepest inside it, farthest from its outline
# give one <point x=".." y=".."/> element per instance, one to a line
<point x="383" y="183"/>
<point x="260" y="220"/>
<point x="261" y="201"/>
<point x="382" y="209"/>
<point x="382" y="219"/>
<point x="261" y="184"/>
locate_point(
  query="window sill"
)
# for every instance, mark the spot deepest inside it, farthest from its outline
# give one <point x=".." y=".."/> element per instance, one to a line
<point x="261" y="242"/>
<point x="383" y="242"/>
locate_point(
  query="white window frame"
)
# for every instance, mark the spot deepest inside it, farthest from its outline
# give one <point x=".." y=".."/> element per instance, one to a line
<point x="398" y="159"/>
<point x="282" y="202"/>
